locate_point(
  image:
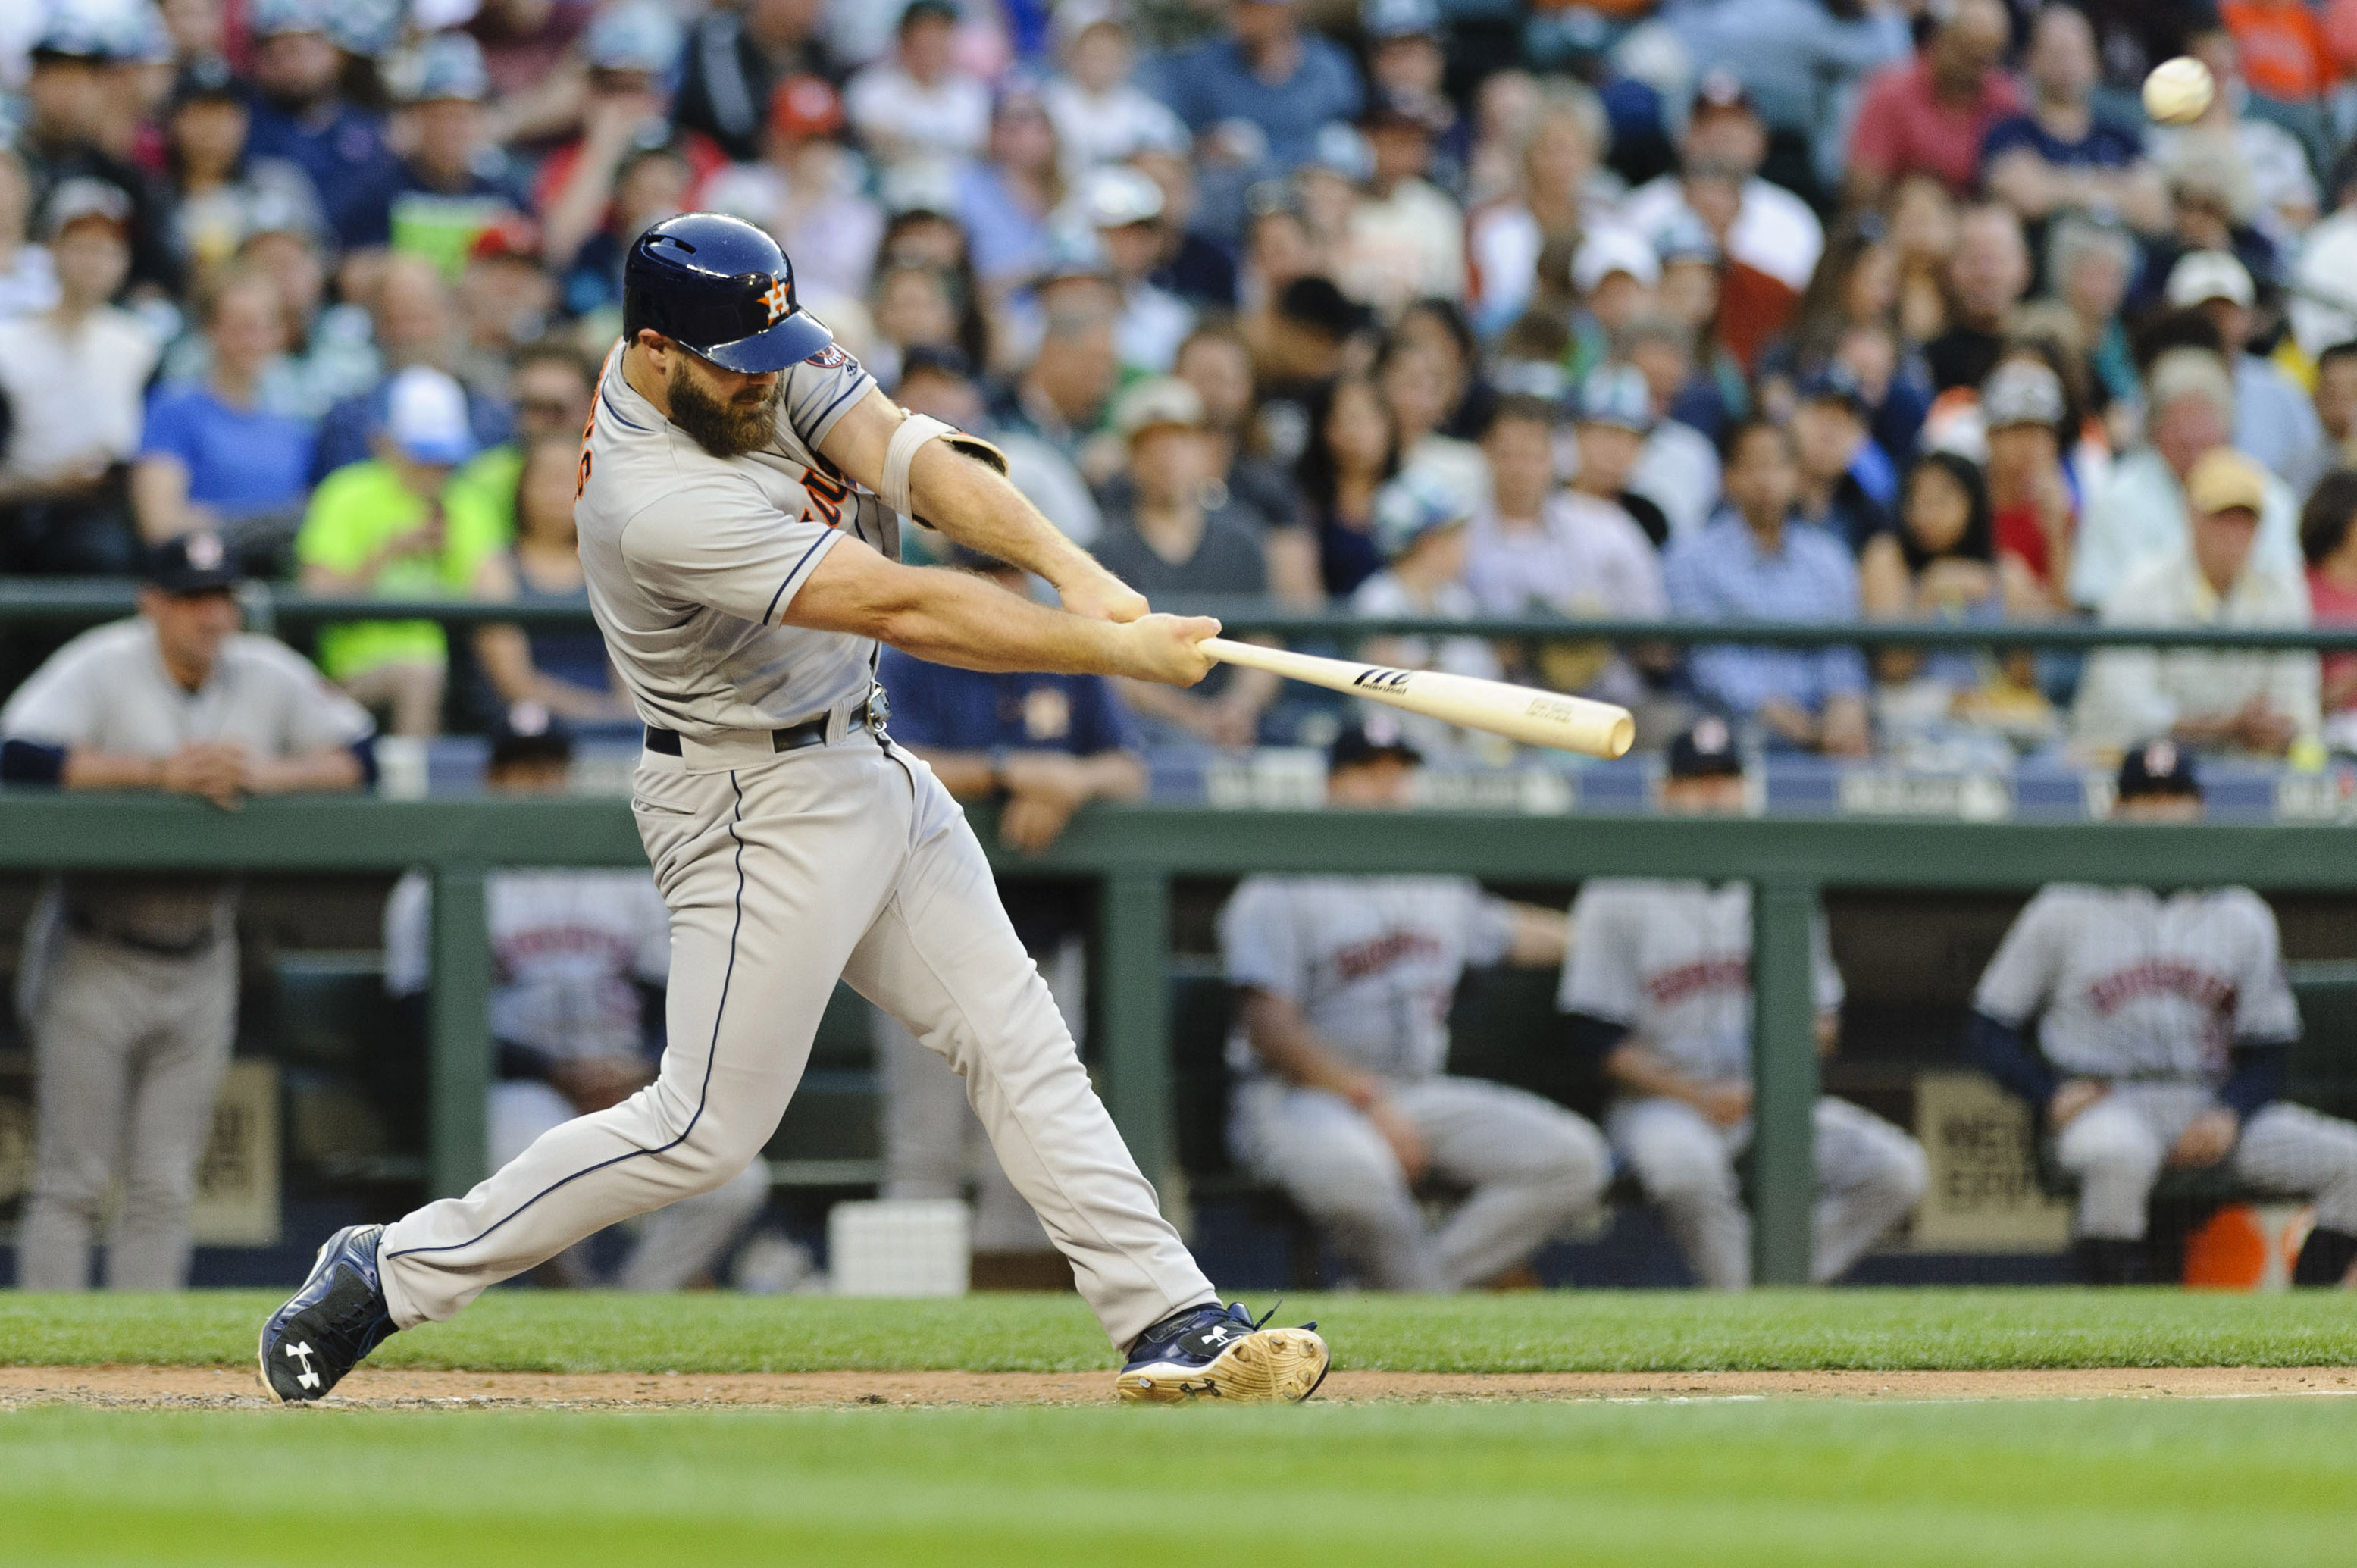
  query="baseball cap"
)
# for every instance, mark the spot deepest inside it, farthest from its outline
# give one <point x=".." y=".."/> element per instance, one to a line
<point x="1705" y="749"/>
<point x="927" y="10"/>
<point x="1368" y="739"/>
<point x="1686" y="238"/>
<point x="196" y="563"/>
<point x="2201" y="276"/>
<point x="510" y="236"/>
<point x="528" y="732"/>
<point x="1416" y="504"/>
<point x="1835" y="383"/>
<point x="1405" y="106"/>
<point x="1073" y="253"/>
<point x="2157" y="767"/>
<point x="1156" y="402"/>
<point x="1720" y="90"/>
<point x="919" y="185"/>
<point x="206" y="79"/>
<point x="1386" y="19"/>
<point x="1609" y="251"/>
<point x="1339" y="149"/>
<point x="450" y="65"/>
<point x="77" y="200"/>
<point x="72" y="32"/>
<point x="1617" y="395"/>
<point x="1114" y="196"/>
<point x="2222" y="480"/>
<point x="1075" y="18"/>
<point x="2021" y="392"/>
<point x="368" y="28"/>
<point x="1318" y="304"/>
<point x="805" y="106"/>
<point x="271" y="19"/>
<point x="426" y="417"/>
<point x="639" y="36"/>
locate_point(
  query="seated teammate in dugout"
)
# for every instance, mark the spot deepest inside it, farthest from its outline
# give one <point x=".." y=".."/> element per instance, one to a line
<point x="2165" y="1028"/>
<point x="1343" y="987"/>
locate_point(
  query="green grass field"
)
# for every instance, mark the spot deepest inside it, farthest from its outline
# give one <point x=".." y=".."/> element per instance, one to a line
<point x="2091" y="1482"/>
<point x="1564" y="1331"/>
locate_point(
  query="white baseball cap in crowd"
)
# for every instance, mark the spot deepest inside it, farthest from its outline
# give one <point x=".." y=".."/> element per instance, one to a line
<point x="1115" y="196"/>
<point x="2200" y="276"/>
<point x="2021" y="392"/>
<point x="426" y="417"/>
<point x="1613" y="249"/>
<point x="1156" y="403"/>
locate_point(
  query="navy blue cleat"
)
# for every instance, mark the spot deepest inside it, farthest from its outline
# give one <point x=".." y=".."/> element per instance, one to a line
<point x="1210" y="1352"/>
<point x="339" y="1317"/>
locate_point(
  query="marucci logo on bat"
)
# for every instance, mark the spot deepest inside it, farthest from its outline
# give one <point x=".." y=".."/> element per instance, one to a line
<point x="1375" y="678"/>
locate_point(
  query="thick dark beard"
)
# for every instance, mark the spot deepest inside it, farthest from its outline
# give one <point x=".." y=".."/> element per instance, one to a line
<point x="725" y="430"/>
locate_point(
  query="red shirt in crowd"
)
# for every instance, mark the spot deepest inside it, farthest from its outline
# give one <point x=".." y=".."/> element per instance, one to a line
<point x="2281" y="47"/>
<point x="1903" y="128"/>
<point x="2330" y="604"/>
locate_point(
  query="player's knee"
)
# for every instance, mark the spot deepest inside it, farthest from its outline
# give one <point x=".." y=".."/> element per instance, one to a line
<point x="1904" y="1172"/>
<point x="1676" y="1170"/>
<point x="1578" y="1163"/>
<point x="2104" y="1152"/>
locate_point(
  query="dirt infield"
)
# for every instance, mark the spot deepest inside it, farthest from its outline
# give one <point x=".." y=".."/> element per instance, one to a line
<point x="370" y="1388"/>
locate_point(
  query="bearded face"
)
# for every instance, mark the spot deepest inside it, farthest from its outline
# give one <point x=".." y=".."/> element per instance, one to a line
<point x="727" y="427"/>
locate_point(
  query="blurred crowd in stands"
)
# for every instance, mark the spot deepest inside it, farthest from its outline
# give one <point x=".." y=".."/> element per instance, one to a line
<point x="1821" y="310"/>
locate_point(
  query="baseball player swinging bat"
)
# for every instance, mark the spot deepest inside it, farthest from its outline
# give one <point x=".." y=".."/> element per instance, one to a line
<point x="1518" y="713"/>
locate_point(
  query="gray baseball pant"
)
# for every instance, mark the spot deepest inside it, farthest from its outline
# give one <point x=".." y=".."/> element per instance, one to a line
<point x="128" y="1053"/>
<point x="930" y="1138"/>
<point x="1870" y="1176"/>
<point x="2117" y="1147"/>
<point x="1534" y="1168"/>
<point x="676" y="1243"/>
<point x="783" y="872"/>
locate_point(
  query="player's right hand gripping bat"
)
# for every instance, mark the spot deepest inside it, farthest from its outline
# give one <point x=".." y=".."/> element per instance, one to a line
<point x="1518" y="713"/>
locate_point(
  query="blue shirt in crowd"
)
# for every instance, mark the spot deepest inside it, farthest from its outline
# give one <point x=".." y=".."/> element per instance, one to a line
<point x="343" y="150"/>
<point x="2106" y="145"/>
<point x="966" y="710"/>
<point x="1720" y="572"/>
<point x="242" y="462"/>
<point x="344" y="434"/>
<point x="1214" y="83"/>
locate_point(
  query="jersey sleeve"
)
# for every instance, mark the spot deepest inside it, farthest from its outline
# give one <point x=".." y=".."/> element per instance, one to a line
<point x="819" y="391"/>
<point x="1488" y="928"/>
<point x="408" y="917"/>
<point x="2020" y="979"/>
<point x="718" y="541"/>
<point x="2265" y="1010"/>
<point x="314" y="714"/>
<point x="58" y="704"/>
<point x="1260" y="942"/>
<point x="1599" y="977"/>
<point x="1824" y="980"/>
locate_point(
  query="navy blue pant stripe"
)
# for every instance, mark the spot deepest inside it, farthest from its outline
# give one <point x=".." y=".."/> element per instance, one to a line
<point x="711" y="1055"/>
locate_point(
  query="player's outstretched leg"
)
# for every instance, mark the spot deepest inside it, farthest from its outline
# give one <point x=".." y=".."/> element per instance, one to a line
<point x="1206" y="1352"/>
<point x="339" y="1317"/>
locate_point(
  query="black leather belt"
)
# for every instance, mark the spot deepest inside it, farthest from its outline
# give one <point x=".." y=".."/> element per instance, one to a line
<point x="83" y="926"/>
<point x="793" y="737"/>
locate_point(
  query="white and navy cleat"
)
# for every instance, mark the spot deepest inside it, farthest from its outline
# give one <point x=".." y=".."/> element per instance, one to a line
<point x="339" y="1317"/>
<point x="1207" y="1352"/>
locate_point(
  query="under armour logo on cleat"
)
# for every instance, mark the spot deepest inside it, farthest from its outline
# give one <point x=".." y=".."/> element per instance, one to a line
<point x="306" y="1377"/>
<point x="1219" y="1334"/>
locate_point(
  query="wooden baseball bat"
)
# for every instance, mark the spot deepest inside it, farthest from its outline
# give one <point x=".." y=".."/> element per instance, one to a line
<point x="1518" y="713"/>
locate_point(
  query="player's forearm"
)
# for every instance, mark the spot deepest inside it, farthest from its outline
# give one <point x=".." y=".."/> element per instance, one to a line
<point x="951" y="619"/>
<point x="88" y="769"/>
<point x="979" y="508"/>
<point x="1283" y="1039"/>
<point x="330" y="767"/>
<point x="1633" y="1066"/>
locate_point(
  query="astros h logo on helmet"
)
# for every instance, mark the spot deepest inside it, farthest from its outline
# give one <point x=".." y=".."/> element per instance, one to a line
<point x="779" y="302"/>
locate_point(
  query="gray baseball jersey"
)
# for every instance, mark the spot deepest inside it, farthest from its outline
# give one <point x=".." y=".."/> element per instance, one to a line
<point x="1371" y="961"/>
<point x="108" y="691"/>
<point x="691" y="558"/>
<point x="2134" y="984"/>
<point x="1671" y="961"/>
<point x="565" y="947"/>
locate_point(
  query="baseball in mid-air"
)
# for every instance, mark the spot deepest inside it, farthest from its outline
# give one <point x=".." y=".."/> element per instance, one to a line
<point x="2178" y="90"/>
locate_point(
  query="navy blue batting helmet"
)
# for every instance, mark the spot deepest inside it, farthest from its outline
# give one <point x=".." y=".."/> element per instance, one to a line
<point x="721" y="287"/>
